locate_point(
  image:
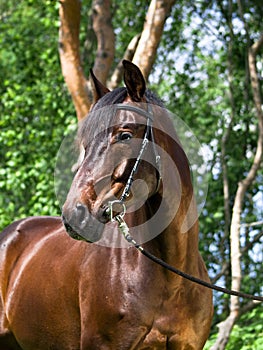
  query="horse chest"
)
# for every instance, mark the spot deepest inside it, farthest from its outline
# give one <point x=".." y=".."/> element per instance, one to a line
<point x="131" y="322"/>
<point x="128" y="311"/>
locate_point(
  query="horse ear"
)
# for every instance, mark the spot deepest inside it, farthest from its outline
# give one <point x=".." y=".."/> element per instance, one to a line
<point x="134" y="81"/>
<point x="99" y="89"/>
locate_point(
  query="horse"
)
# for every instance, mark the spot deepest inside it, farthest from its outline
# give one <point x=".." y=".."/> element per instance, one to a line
<point x="73" y="282"/>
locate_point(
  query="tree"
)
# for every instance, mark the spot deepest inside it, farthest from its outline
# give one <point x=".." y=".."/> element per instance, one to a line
<point x="143" y="52"/>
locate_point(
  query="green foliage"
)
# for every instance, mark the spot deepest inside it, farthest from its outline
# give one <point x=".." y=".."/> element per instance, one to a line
<point x="247" y="334"/>
<point x="35" y="109"/>
<point x="128" y="20"/>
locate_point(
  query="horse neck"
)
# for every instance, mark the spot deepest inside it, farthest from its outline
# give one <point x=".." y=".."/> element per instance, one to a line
<point x="178" y="242"/>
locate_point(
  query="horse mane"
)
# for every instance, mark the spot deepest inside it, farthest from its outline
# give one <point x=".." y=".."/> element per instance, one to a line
<point x="99" y="118"/>
<point x="118" y="96"/>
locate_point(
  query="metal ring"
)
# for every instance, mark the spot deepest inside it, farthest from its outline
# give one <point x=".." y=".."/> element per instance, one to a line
<point x="116" y="202"/>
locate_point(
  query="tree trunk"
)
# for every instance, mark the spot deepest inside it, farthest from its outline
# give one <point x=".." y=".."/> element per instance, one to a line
<point x="225" y="244"/>
<point x="128" y="55"/>
<point x="143" y="54"/>
<point x="69" y="13"/>
<point x="157" y="14"/>
<point x="102" y="26"/>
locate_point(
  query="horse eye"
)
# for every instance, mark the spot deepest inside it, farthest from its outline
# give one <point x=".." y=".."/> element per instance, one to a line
<point x="125" y="136"/>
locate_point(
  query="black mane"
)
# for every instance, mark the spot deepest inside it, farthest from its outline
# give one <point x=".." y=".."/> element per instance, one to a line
<point x="118" y="96"/>
<point x="99" y="119"/>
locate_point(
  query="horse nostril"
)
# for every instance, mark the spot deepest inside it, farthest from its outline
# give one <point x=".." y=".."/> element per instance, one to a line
<point x="81" y="212"/>
<point x="104" y="214"/>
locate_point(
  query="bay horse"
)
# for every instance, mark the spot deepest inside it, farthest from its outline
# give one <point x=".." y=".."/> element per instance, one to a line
<point x="97" y="292"/>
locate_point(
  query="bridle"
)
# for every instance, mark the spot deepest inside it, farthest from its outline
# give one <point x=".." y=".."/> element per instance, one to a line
<point x="148" y="137"/>
<point x="119" y="218"/>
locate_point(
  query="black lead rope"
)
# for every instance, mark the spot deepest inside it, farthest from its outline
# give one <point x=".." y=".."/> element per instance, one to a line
<point x="125" y="231"/>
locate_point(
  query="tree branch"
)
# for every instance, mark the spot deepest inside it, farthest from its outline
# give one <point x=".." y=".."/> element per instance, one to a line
<point x="251" y="224"/>
<point x="69" y="13"/>
<point x="251" y="243"/>
<point x="242" y="251"/>
<point x="223" y="271"/>
<point x="157" y="14"/>
<point x="257" y="45"/>
<point x="228" y="128"/>
<point x="102" y="26"/>
<point x="248" y="307"/>
<point x="253" y="51"/>
<point x="128" y="55"/>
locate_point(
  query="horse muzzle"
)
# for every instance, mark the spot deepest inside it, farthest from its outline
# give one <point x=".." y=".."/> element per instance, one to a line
<point x="80" y="224"/>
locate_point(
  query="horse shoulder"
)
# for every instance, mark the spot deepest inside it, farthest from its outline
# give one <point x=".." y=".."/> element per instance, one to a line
<point x="17" y="241"/>
<point x="36" y="263"/>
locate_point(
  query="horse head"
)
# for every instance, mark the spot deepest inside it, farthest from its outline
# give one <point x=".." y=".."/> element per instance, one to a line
<point x="111" y="138"/>
<point x="121" y="139"/>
